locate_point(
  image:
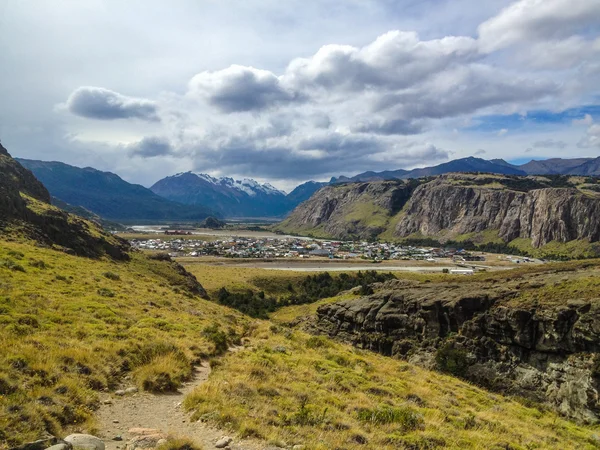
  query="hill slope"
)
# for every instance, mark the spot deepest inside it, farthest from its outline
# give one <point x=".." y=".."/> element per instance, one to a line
<point x="79" y="311"/>
<point x="535" y="211"/>
<point x="107" y="195"/>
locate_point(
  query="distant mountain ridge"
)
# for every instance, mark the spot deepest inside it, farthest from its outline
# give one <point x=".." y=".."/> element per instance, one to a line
<point x="552" y="166"/>
<point x="108" y="195"/>
<point x="233" y="198"/>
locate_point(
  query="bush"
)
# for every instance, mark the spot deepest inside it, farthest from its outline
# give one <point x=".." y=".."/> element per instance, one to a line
<point x="452" y="360"/>
<point x="105" y="292"/>
<point x="406" y="417"/>
<point x="217" y="337"/>
<point x="179" y="444"/>
<point x="164" y="373"/>
<point x="111" y="276"/>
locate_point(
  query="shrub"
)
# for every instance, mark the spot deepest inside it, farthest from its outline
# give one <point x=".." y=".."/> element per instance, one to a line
<point x="104" y="292"/>
<point x="317" y="342"/>
<point x="217" y="337"/>
<point x="164" y="373"/>
<point x="406" y="417"/>
<point x="111" y="276"/>
<point x="179" y="444"/>
<point x="38" y="264"/>
<point x="452" y="360"/>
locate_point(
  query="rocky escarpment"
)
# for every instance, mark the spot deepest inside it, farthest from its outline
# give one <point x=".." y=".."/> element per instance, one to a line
<point x="25" y="210"/>
<point x="455" y="206"/>
<point x="548" y="353"/>
<point x="542" y="215"/>
<point x="355" y="210"/>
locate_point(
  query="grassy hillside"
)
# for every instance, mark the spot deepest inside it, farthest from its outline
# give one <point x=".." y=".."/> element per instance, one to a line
<point x="71" y="326"/>
<point x="292" y="388"/>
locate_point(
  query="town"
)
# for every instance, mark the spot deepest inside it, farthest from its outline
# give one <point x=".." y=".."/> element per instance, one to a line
<point x="290" y="247"/>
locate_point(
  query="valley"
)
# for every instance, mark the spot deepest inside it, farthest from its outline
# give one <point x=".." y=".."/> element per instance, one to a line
<point x="104" y="336"/>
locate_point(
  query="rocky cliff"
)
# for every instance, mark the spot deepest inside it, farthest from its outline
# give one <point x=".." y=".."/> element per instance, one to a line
<point x="443" y="208"/>
<point x="349" y="211"/>
<point x="539" y="209"/>
<point x="487" y="332"/>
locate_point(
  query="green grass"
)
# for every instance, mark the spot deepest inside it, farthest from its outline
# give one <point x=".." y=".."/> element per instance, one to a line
<point x="367" y="214"/>
<point x="71" y="326"/>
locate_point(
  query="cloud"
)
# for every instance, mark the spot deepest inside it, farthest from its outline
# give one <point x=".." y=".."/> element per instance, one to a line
<point x="525" y="21"/>
<point x="502" y="132"/>
<point x="240" y="89"/>
<point x="464" y="90"/>
<point x="550" y="143"/>
<point x="390" y="126"/>
<point x="592" y="138"/>
<point x="294" y="157"/>
<point x="587" y="120"/>
<point x="103" y="104"/>
<point x="480" y="152"/>
<point x="150" y="147"/>
<point x="395" y="60"/>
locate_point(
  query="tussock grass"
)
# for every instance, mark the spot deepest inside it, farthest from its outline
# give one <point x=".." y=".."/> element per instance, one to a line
<point x="68" y="330"/>
<point x="293" y="388"/>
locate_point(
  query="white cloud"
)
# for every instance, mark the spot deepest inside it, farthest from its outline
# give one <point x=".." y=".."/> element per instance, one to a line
<point x="533" y="20"/>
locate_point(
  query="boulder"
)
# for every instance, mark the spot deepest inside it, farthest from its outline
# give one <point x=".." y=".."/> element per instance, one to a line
<point x="85" y="442"/>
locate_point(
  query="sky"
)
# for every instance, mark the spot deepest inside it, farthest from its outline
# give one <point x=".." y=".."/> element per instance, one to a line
<point x="285" y="91"/>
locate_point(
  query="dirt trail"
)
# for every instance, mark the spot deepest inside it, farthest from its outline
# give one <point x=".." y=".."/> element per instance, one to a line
<point x="160" y="411"/>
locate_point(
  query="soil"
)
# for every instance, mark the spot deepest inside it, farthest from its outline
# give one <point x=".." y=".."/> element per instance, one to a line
<point x="163" y="412"/>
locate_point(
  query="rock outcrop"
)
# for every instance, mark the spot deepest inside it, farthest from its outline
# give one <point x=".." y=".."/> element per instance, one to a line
<point x="539" y="209"/>
<point x="357" y="210"/>
<point x="547" y="353"/>
<point x="542" y="215"/>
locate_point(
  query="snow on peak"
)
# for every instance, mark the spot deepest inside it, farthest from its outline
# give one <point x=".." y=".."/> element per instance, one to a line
<point x="248" y="185"/>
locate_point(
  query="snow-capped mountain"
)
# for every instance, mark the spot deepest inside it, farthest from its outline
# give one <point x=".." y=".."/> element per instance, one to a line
<point x="229" y="197"/>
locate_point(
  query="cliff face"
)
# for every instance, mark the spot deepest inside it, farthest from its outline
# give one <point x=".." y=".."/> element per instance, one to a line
<point x="542" y="215"/>
<point x="548" y="353"/>
<point x="356" y="210"/>
<point x="541" y="209"/>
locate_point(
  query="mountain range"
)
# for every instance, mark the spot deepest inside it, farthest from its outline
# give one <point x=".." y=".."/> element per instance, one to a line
<point x="553" y="166"/>
<point x="108" y="195"/>
<point x="193" y="196"/>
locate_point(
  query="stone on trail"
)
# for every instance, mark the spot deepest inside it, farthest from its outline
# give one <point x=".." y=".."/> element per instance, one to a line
<point x="60" y="446"/>
<point x="145" y="441"/>
<point x="223" y="442"/>
<point x="131" y="390"/>
<point x="85" y="442"/>
<point x="120" y="392"/>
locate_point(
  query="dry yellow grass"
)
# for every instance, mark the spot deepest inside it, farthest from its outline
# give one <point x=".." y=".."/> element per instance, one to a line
<point x="291" y="388"/>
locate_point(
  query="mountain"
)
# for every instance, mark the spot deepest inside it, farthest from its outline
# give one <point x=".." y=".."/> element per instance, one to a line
<point x="470" y="164"/>
<point x="513" y="210"/>
<point x="108" y="195"/>
<point x="304" y="191"/>
<point x="25" y="210"/>
<point x="226" y="196"/>
<point x="588" y="168"/>
<point x="372" y="176"/>
<point x="553" y="166"/>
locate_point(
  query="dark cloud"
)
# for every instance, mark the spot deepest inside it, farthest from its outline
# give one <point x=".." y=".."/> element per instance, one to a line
<point x="480" y="152"/>
<point x="389" y="127"/>
<point x="240" y="89"/>
<point x="463" y="90"/>
<point x="318" y="156"/>
<point x="150" y="147"/>
<point x="104" y="104"/>
<point x="550" y="143"/>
